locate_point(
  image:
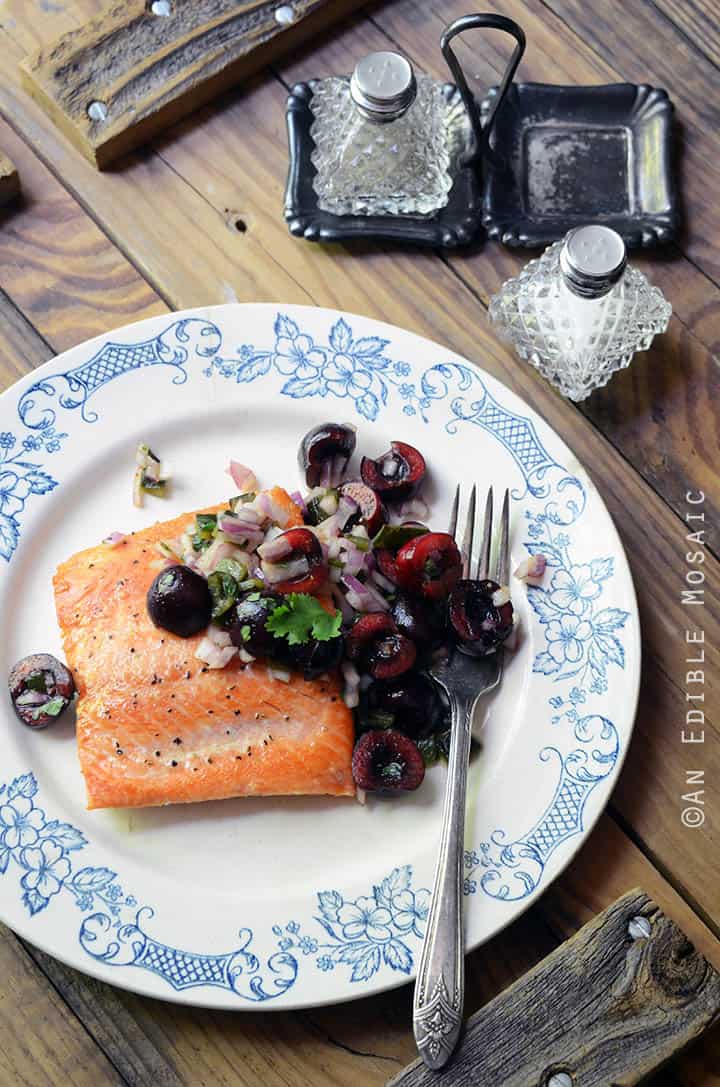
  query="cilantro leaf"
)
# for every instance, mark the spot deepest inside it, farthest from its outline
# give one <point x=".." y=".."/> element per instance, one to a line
<point x="301" y="617"/>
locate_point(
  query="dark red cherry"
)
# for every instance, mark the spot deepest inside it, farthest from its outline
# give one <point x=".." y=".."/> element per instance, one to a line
<point x="385" y="760"/>
<point x="395" y="475"/>
<point x="324" y="453"/>
<point x="429" y="565"/>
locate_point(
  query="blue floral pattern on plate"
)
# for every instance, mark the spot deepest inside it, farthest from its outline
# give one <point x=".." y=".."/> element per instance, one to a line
<point x="583" y="643"/>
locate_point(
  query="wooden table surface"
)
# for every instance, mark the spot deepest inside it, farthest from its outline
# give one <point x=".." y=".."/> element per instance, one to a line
<point x="194" y="219"/>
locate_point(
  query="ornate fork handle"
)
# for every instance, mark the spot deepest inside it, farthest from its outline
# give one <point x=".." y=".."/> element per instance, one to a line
<point x="440" y="985"/>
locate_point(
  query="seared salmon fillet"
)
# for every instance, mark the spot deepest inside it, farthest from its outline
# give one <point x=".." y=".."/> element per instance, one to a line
<point x="156" y="726"/>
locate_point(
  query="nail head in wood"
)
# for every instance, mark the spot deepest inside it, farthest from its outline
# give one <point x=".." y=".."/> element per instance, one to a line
<point x="285" y="15"/>
<point x="639" y="928"/>
<point x="150" y="62"/>
<point x="97" y="111"/>
<point x="610" y="1005"/>
<point x="559" y="1079"/>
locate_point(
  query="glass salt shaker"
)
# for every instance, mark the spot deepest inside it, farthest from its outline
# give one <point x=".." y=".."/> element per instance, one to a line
<point x="380" y="146"/>
<point x="388" y="142"/>
<point x="579" y="312"/>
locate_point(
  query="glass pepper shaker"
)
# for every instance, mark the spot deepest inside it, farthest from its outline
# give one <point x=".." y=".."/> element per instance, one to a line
<point x="390" y="142"/>
<point x="579" y="312"/>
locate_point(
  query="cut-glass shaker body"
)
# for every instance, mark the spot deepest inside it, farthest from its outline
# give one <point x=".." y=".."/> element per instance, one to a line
<point x="577" y="342"/>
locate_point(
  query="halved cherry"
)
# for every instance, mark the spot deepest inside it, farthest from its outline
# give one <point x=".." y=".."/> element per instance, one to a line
<point x="375" y="643"/>
<point x="395" y="475"/>
<point x="371" y="511"/>
<point x="324" y="453"/>
<point x="304" y="544"/>
<point x="429" y="565"/>
<point x="477" y="623"/>
<point x="384" y="759"/>
<point x="417" y="618"/>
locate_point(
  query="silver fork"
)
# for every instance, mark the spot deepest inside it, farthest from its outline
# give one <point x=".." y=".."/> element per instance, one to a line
<point x="440" y="982"/>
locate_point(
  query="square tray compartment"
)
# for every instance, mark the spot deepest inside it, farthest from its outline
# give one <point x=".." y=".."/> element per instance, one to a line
<point x="581" y="154"/>
<point x="455" y="224"/>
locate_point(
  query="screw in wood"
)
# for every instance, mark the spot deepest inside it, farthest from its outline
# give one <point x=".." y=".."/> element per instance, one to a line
<point x="639" y="928"/>
<point x="97" y="111"/>
<point x="560" y="1079"/>
<point x="161" y="7"/>
<point x="285" y="15"/>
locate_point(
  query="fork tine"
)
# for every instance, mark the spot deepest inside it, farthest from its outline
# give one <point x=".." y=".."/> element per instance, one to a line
<point x="467" y="541"/>
<point x="483" y="566"/>
<point x="452" y="527"/>
<point x="502" y="563"/>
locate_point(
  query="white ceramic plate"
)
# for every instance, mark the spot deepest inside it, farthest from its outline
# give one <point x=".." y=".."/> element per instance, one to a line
<point x="295" y="902"/>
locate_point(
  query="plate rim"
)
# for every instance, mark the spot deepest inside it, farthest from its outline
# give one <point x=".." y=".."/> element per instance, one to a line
<point x="383" y="981"/>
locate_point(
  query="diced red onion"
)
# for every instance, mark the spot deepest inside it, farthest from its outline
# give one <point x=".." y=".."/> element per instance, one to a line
<point x="240" y="529"/>
<point x="382" y="582"/>
<point x="31" y="698"/>
<point x="286" y="571"/>
<point x="268" y="507"/>
<point x="346" y="508"/>
<point x="114" y="539"/>
<point x="328" y="528"/>
<point x="218" y="549"/>
<point x="243" y="478"/>
<point x="354" y="560"/>
<point x="218" y="637"/>
<point x="501" y="596"/>
<point x="245" y="657"/>
<point x="332" y="547"/>
<point x="275" y="549"/>
<point x="214" y="656"/>
<point x="531" y="569"/>
<point x="364" y="597"/>
<point x="351" y="692"/>
<point x="299" y="501"/>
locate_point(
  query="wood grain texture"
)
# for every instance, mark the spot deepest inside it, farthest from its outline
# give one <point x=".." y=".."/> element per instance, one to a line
<point x="697" y="20"/>
<point x="606" y="1007"/>
<point x="58" y="266"/>
<point x="42" y="1044"/>
<point x="9" y="180"/>
<point x="148" y="71"/>
<point x="225" y="164"/>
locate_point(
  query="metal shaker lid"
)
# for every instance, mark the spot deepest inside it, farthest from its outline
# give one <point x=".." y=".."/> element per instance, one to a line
<point x="383" y="86"/>
<point x="592" y="260"/>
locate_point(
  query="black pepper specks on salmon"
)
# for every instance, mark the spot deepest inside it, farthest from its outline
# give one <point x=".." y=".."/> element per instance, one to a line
<point x="177" y="740"/>
<point x="157" y="754"/>
<point x="173" y="762"/>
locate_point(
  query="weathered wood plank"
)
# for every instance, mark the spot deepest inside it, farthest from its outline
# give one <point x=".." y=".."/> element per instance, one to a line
<point x="58" y="266"/>
<point x="41" y="1043"/>
<point x="9" y="180"/>
<point x="611" y="1005"/>
<point x="145" y="70"/>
